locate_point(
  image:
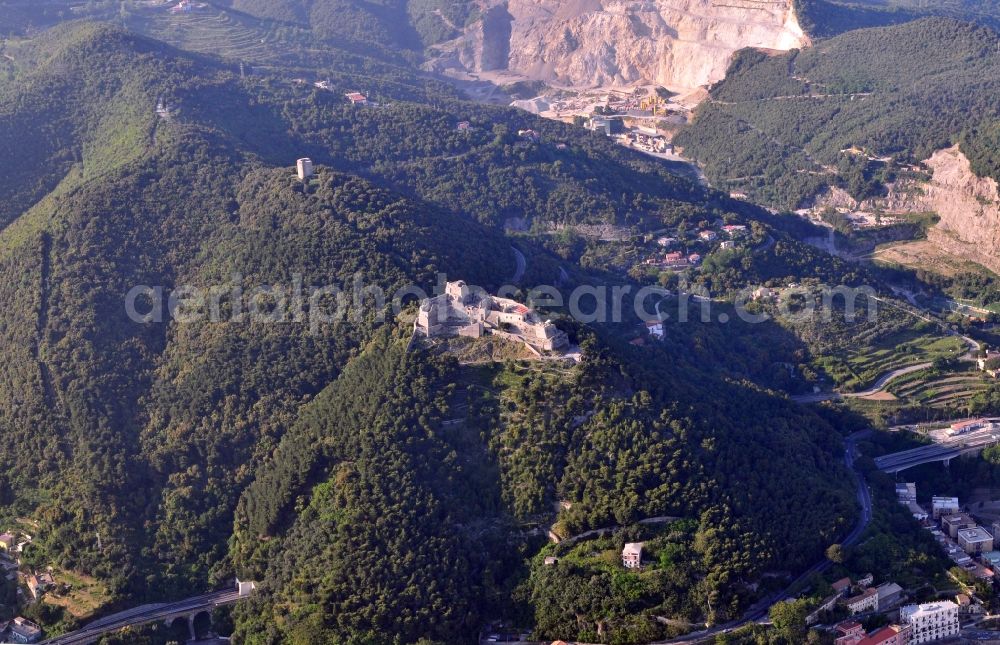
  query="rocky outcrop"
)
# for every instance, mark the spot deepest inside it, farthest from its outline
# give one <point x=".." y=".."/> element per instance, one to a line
<point x="969" y="208"/>
<point x="486" y="45"/>
<point x="597" y="43"/>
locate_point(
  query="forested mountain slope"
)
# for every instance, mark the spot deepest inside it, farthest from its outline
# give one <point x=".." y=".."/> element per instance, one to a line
<point x="402" y="505"/>
<point x="825" y="18"/>
<point x="173" y="441"/>
<point x="783" y="127"/>
<point x="394" y="24"/>
<point x="185" y="205"/>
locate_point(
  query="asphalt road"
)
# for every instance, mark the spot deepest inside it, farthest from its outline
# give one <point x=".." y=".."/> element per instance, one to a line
<point x="884" y="380"/>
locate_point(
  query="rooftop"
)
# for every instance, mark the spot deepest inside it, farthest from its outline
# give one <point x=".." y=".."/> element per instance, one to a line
<point x="632" y="548"/>
<point x="25" y="627"/>
<point x="864" y="595"/>
<point x="888" y="588"/>
<point x="841" y="584"/>
<point x="927" y="608"/>
<point x="881" y="635"/>
<point x="847" y="626"/>
<point x="975" y="534"/>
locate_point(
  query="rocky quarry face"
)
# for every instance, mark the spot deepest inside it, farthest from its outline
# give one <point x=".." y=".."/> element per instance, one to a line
<point x="598" y="43"/>
<point x="969" y="208"/>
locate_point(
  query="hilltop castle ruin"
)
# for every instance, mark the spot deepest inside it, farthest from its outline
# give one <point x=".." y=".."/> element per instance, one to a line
<point x="463" y="311"/>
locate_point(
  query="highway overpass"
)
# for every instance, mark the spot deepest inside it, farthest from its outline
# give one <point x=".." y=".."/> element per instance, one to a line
<point x="936" y="452"/>
<point x="166" y="612"/>
<point x="899" y="461"/>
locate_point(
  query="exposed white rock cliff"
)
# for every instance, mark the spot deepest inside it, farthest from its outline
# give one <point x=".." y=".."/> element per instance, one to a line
<point x="969" y="207"/>
<point x="591" y="43"/>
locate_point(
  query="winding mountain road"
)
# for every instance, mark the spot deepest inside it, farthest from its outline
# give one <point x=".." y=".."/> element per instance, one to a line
<point x="884" y="380"/>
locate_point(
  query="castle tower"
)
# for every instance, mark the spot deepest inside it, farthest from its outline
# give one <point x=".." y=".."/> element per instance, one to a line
<point x="304" y="166"/>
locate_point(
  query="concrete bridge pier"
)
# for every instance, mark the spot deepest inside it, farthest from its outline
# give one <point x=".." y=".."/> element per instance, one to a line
<point x="189" y="619"/>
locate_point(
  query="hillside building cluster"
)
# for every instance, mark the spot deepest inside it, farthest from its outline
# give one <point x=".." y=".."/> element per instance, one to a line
<point x="16" y="571"/>
<point x="924" y="623"/>
<point x="963" y="540"/>
<point x="473" y="313"/>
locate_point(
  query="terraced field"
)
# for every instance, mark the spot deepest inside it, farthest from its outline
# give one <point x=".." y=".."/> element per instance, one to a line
<point x="220" y="33"/>
<point x="945" y="390"/>
<point x="860" y="367"/>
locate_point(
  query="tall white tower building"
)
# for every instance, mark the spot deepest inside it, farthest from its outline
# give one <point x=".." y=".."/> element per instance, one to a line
<point x="305" y="168"/>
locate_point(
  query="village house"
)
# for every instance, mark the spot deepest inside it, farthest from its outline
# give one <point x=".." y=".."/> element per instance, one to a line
<point x="356" y="98"/>
<point x="848" y="632"/>
<point x="655" y="329"/>
<point x="951" y="524"/>
<point x="694" y="258"/>
<point x="963" y="427"/>
<point x="732" y="230"/>
<point x="7" y="541"/>
<point x="864" y="602"/>
<point x="708" y="236"/>
<point x="842" y="586"/>
<point x="865" y="581"/>
<point x="22" y="631"/>
<point x="941" y="506"/>
<point x="39" y="583"/>
<point x="975" y="540"/>
<point x="463" y="311"/>
<point x="551" y="560"/>
<point x="891" y="635"/>
<point x="967" y="607"/>
<point x="675" y="260"/>
<point x="989" y="365"/>
<point x="666" y="242"/>
<point x="632" y="555"/>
